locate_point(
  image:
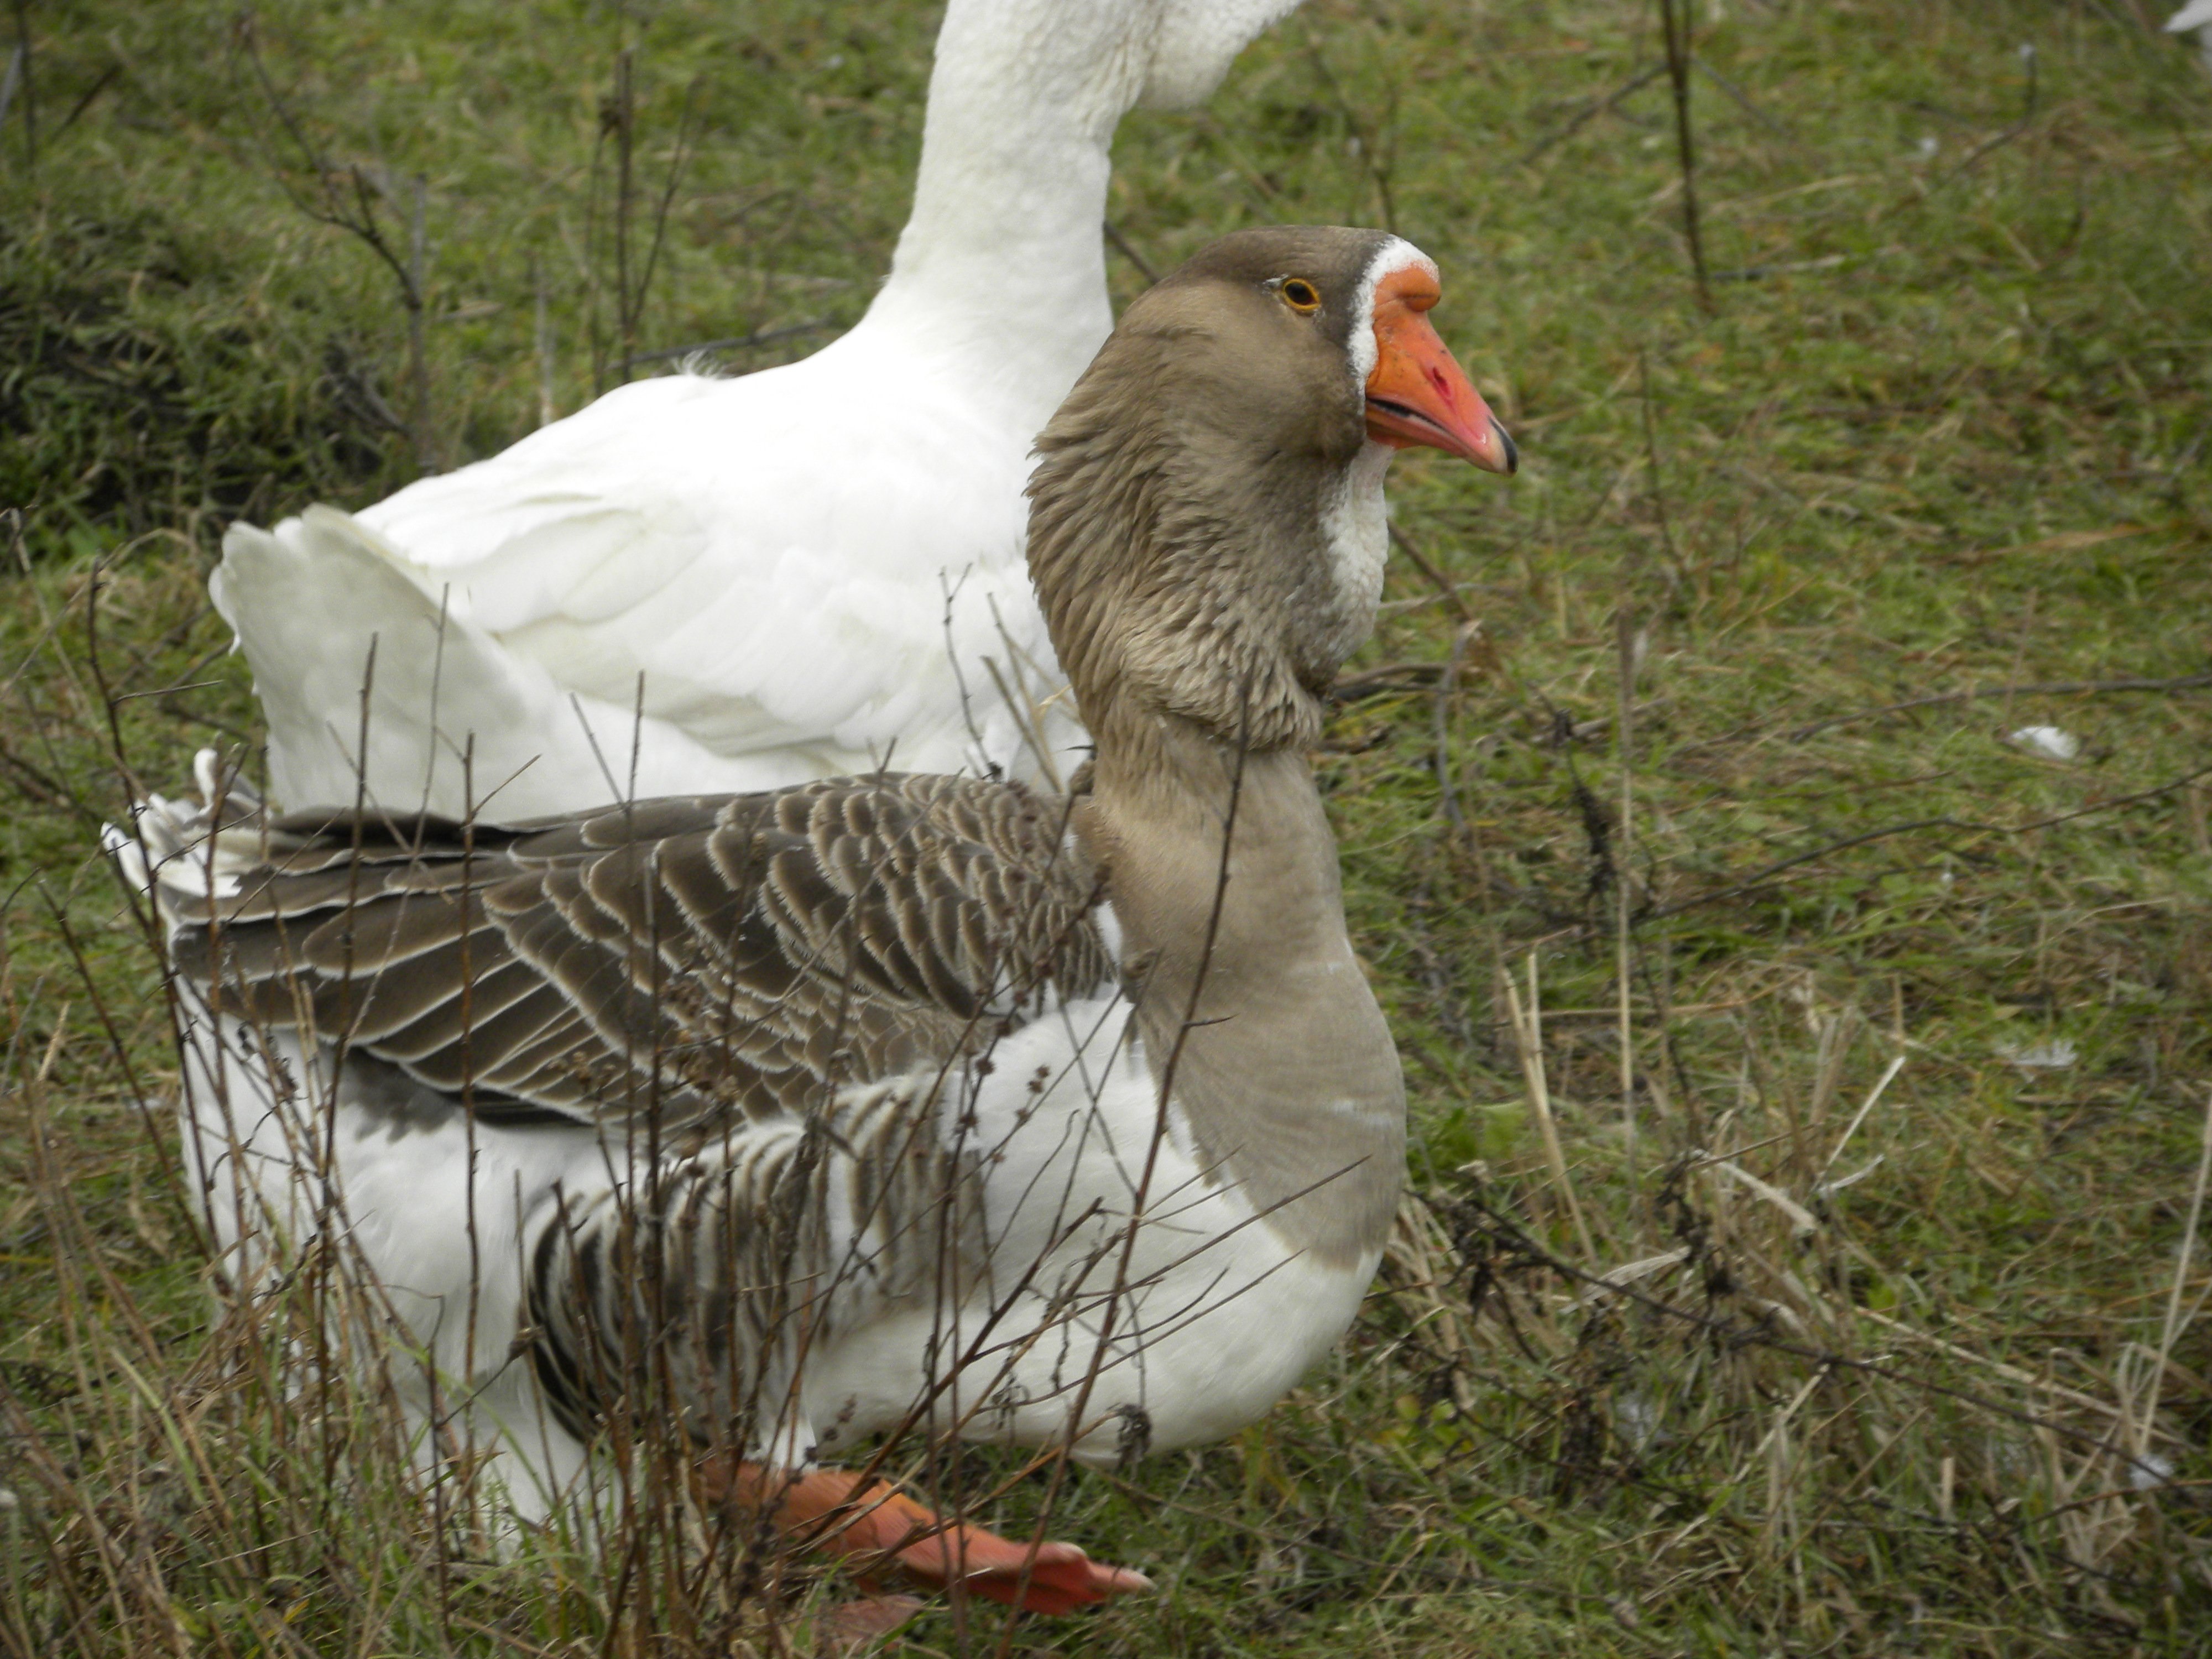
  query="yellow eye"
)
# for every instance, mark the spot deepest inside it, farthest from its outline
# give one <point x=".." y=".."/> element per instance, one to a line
<point x="1301" y="296"/>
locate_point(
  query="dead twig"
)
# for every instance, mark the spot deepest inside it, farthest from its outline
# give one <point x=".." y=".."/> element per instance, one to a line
<point x="1391" y="677"/>
<point x="1528" y="1025"/>
<point x="737" y="343"/>
<point x="2171" y="1325"/>
<point x="1450" y="595"/>
<point x="1591" y="111"/>
<point x="1752" y="883"/>
<point x="1121" y="245"/>
<point x="1730" y="1333"/>
<point x="345" y="198"/>
<point x="1446" y="685"/>
<point x="1674" y="19"/>
<point x="19" y="83"/>
<point x="107" y="78"/>
<point x="2027" y="57"/>
<point x="633" y="277"/>
<point x="1375" y="146"/>
<point x="1937" y="699"/>
<point x="1743" y="100"/>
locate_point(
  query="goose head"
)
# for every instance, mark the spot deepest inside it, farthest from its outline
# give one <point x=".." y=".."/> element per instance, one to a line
<point x="1206" y="529"/>
<point x="1025" y="70"/>
<point x="1193" y="43"/>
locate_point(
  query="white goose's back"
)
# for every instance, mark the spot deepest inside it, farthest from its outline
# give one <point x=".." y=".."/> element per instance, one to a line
<point x="701" y="585"/>
<point x="792" y="561"/>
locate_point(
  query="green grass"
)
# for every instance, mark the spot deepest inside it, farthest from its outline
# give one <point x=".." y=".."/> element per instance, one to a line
<point x="1944" y="429"/>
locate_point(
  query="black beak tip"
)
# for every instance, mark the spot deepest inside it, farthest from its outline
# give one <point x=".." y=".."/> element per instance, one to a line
<point x="1512" y="449"/>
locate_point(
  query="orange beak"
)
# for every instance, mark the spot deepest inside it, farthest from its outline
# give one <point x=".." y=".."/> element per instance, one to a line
<point x="1418" y="394"/>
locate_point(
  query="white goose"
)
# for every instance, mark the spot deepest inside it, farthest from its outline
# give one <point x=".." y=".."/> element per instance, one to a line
<point x="773" y="554"/>
<point x="1045" y="1119"/>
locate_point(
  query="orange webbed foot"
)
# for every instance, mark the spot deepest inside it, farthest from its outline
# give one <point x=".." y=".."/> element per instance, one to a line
<point x="835" y="1512"/>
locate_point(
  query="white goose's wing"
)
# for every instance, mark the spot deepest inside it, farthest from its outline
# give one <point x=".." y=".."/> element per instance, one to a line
<point x="455" y="722"/>
<point x="781" y="601"/>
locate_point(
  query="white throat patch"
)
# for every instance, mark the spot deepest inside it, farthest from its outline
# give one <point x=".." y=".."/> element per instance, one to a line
<point x="1355" y="523"/>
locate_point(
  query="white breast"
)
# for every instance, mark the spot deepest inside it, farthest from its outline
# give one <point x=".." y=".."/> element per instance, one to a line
<point x="1206" y="1322"/>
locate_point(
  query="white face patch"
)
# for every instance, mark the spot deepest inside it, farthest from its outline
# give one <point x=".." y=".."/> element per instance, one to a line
<point x="1355" y="519"/>
<point x="1394" y="255"/>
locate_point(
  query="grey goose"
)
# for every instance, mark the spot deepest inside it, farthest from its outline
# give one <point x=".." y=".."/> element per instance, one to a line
<point x="1041" y="1118"/>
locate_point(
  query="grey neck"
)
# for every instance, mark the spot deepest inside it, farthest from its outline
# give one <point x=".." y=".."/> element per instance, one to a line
<point x="1280" y="1057"/>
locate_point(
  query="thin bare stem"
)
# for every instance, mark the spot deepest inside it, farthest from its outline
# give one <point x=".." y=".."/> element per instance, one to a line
<point x="418" y="346"/>
<point x="623" y="114"/>
<point x="1529" y="1040"/>
<point x="1451" y="595"/>
<point x="1674" y="19"/>
<point x="1447" y="690"/>
<point x="1623" y="846"/>
<point x="1121" y="245"/>
<point x="22" y="83"/>
<point x="345" y="198"/>
<point x="2171" y="1328"/>
<point x="547" y="408"/>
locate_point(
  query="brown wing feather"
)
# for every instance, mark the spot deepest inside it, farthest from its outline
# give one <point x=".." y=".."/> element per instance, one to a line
<point x="705" y="958"/>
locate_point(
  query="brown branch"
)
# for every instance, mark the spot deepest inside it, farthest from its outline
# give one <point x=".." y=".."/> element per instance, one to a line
<point x="1381" y="682"/>
<point x="1728" y="1333"/>
<point x="1763" y="878"/>
<point x="1673" y="18"/>
<point x="737" y="343"/>
<point x="2052" y="688"/>
<point x="20" y="82"/>
<point x="351" y="207"/>
<point x="1121" y="245"/>
<point x="1376" y="157"/>
<point x="1591" y="111"/>
<point x="685" y="126"/>
<point x="1651" y="460"/>
<point x="1446" y="685"/>
<point x="2027" y="57"/>
<point x="40" y="786"/>
<point x="1407" y="545"/>
<point x="1743" y="100"/>
<point x="621" y="110"/>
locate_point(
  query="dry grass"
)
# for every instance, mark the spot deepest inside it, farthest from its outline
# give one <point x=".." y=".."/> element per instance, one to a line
<point x="1898" y="1348"/>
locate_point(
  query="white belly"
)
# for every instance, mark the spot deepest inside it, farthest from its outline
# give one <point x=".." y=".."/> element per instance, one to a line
<point x="1068" y="1331"/>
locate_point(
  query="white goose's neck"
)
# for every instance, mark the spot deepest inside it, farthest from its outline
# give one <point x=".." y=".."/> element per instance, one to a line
<point x="1001" y="264"/>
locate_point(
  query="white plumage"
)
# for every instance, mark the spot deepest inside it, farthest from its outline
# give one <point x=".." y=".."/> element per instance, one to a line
<point x="704" y="584"/>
